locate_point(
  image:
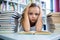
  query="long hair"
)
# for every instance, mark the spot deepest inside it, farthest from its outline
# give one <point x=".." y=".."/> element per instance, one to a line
<point x="25" y="20"/>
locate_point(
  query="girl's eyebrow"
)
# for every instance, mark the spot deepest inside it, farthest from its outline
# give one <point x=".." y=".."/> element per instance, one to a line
<point x="36" y="13"/>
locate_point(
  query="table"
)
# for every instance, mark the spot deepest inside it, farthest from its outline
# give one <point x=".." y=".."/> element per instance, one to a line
<point x="16" y="36"/>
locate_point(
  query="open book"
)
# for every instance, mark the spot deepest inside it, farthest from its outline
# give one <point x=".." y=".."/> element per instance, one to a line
<point x="33" y="32"/>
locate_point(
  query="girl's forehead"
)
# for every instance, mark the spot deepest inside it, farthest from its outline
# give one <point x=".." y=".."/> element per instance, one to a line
<point x="33" y="9"/>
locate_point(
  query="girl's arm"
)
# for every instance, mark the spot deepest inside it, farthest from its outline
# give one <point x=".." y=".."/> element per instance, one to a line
<point x="26" y="24"/>
<point x="39" y="23"/>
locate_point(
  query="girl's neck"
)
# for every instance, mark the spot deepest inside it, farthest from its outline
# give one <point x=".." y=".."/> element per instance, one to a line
<point x="32" y="24"/>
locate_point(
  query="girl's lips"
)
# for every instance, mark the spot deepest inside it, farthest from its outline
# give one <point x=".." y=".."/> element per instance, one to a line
<point x="33" y="19"/>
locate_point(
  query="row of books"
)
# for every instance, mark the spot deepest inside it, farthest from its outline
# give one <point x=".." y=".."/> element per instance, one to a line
<point x="11" y="0"/>
<point x="10" y="7"/>
<point x="7" y="23"/>
<point x="53" y="21"/>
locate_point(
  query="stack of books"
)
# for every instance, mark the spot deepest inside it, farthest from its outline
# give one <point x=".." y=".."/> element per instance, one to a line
<point x="7" y="24"/>
<point x="53" y="21"/>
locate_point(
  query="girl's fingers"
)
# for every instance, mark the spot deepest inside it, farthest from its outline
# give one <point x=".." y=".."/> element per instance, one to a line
<point x="26" y="24"/>
<point x="27" y="8"/>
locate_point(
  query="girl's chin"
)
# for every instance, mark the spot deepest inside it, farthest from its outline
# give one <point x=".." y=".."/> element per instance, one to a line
<point x="33" y="22"/>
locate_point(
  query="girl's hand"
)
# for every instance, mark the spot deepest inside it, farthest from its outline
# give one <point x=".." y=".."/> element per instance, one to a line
<point x="39" y="22"/>
<point x="26" y="24"/>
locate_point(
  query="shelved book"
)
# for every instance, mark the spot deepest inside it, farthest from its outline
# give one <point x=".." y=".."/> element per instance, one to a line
<point x="2" y="6"/>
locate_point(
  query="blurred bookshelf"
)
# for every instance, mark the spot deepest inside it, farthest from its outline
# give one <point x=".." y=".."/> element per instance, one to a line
<point x="13" y="5"/>
<point x="8" y="5"/>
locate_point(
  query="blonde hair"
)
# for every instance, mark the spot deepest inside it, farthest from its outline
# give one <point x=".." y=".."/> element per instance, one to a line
<point x="39" y="21"/>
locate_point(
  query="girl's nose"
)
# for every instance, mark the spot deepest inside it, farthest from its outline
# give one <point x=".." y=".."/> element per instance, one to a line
<point x="33" y="16"/>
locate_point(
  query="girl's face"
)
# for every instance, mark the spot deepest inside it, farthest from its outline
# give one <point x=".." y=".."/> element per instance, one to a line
<point x="33" y="14"/>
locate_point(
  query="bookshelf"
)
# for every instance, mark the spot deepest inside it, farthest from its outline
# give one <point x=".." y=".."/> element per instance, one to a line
<point x="13" y="5"/>
<point x="8" y="5"/>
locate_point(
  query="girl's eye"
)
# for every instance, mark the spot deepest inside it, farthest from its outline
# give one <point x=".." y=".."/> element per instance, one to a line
<point x="36" y="14"/>
<point x="30" y="13"/>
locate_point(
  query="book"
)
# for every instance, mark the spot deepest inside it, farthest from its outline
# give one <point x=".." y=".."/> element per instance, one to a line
<point x="7" y="18"/>
<point x="6" y="32"/>
<point x="54" y="28"/>
<point x="0" y="6"/>
<point x="7" y="21"/>
<point x="53" y="19"/>
<point x="15" y="7"/>
<point x="35" y="33"/>
<point x="53" y="14"/>
<point x="7" y="29"/>
<point x="11" y="7"/>
<point x="43" y="32"/>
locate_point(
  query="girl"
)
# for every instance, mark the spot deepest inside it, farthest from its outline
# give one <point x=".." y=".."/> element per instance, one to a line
<point x="31" y="18"/>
